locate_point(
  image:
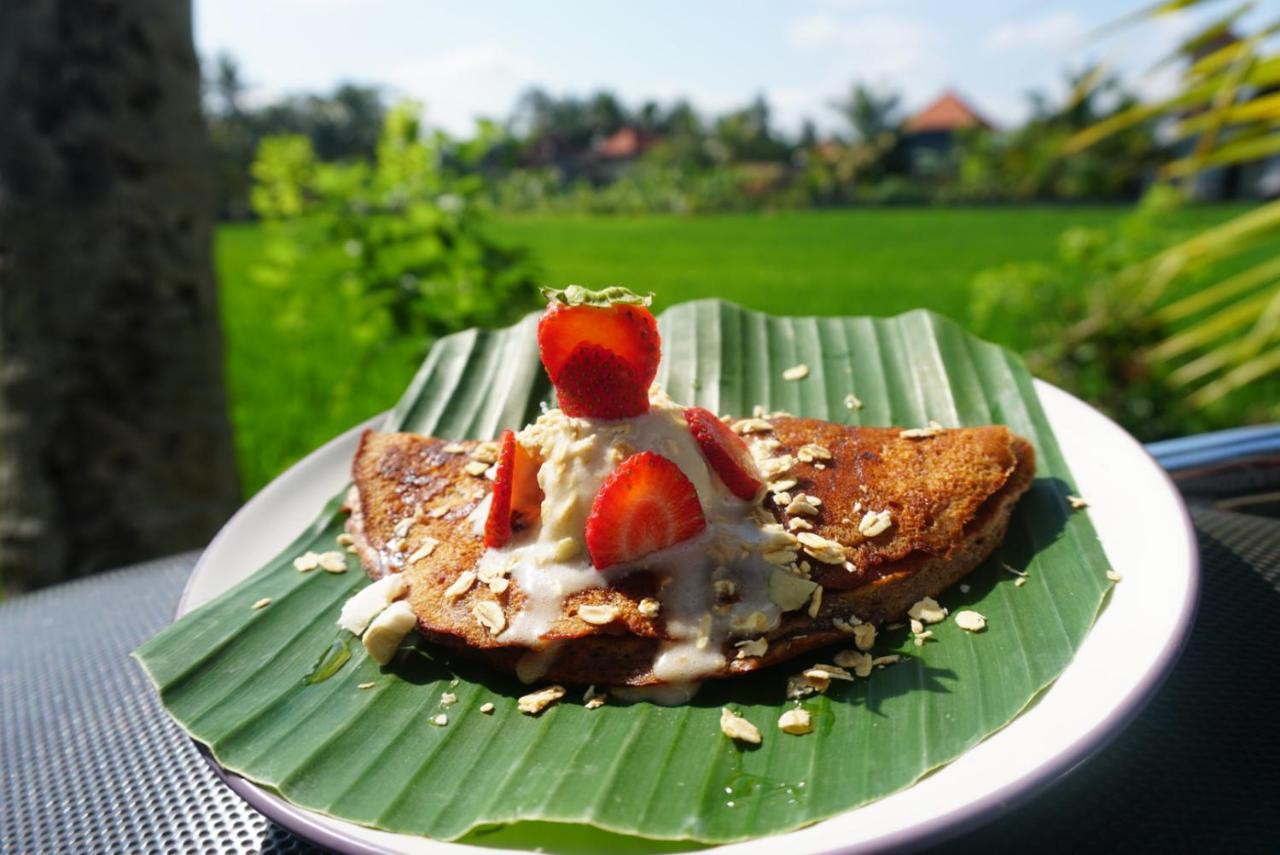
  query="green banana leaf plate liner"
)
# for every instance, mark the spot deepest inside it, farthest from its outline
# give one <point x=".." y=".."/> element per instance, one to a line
<point x="232" y="675"/>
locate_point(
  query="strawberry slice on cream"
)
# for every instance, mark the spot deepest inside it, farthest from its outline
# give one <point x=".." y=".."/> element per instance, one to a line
<point x="647" y="504"/>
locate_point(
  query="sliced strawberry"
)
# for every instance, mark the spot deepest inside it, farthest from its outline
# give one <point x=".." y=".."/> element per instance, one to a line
<point x="517" y="499"/>
<point x="573" y="341"/>
<point x="646" y="504"/>
<point x="596" y="382"/>
<point x="497" y="528"/>
<point x="725" y="451"/>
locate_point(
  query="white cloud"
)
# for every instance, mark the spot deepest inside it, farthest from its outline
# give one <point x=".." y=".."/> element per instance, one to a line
<point x="1054" y="31"/>
<point x="468" y="82"/>
<point x="890" y="52"/>
<point x="849" y="4"/>
<point x="1138" y="52"/>
<point x="323" y="5"/>
<point x="1005" y="109"/>
<point x="878" y="45"/>
<point x="885" y="45"/>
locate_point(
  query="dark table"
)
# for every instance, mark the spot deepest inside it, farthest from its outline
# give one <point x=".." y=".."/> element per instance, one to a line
<point x="89" y="762"/>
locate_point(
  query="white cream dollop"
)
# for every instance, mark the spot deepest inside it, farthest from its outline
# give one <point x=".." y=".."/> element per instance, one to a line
<point x="370" y="601"/>
<point x="577" y="455"/>
<point x="383" y="637"/>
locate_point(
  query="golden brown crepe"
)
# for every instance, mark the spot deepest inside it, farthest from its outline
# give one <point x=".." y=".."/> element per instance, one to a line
<point x="951" y="495"/>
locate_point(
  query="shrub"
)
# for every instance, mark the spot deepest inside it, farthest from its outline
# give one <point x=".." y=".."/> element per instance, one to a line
<point x="1078" y="329"/>
<point x="411" y="232"/>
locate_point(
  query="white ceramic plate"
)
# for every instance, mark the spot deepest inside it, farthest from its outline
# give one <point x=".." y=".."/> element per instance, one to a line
<point x="1148" y="538"/>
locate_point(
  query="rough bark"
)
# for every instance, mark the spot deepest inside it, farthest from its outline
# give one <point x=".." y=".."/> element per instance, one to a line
<point x="114" y="439"/>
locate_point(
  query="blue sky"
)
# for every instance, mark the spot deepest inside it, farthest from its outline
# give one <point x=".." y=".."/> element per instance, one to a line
<point x="473" y="58"/>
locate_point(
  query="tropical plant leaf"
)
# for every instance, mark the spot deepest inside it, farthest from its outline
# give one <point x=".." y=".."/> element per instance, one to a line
<point x="1265" y="308"/>
<point x="1230" y="288"/>
<point x="1210" y="245"/>
<point x="1226" y="105"/>
<point x="1264" y="108"/>
<point x="1264" y="73"/>
<point x="232" y="676"/>
<point x="1241" y="375"/>
<point x="1227" y="322"/>
<point x="1240" y="151"/>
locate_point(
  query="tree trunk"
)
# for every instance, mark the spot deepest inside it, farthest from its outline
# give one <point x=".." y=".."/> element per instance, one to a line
<point x="114" y="439"/>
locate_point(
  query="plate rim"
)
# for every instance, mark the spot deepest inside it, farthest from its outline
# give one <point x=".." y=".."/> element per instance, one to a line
<point x="318" y="829"/>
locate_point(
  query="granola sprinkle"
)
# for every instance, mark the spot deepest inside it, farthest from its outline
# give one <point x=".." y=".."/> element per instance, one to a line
<point x="306" y="562"/>
<point x="332" y="562"/>
<point x="489" y="615"/>
<point x="598" y="615"/>
<point x="738" y="728"/>
<point x="535" y="702"/>
<point x="859" y="661"/>
<point x="820" y="548"/>
<point x="460" y="585"/>
<point x="796" y="372"/>
<point x="922" y="433"/>
<point x="928" y="610"/>
<point x="970" y="621"/>
<point x="795" y="721"/>
<point x="752" y="648"/>
<point x="753" y="425"/>
<point x="809" y="452"/>
<point x="874" y="523"/>
<point x="593" y="700"/>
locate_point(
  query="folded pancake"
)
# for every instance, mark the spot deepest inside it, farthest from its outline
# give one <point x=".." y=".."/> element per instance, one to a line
<point x="418" y="506"/>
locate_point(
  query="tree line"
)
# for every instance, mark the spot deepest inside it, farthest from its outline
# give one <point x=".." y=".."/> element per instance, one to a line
<point x="554" y="151"/>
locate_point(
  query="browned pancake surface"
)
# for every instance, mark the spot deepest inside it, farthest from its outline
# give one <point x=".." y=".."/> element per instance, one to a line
<point x="399" y="476"/>
<point x="932" y="486"/>
<point x="949" y="495"/>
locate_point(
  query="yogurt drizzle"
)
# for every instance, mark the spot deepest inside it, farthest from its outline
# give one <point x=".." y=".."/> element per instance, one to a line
<point x="577" y="455"/>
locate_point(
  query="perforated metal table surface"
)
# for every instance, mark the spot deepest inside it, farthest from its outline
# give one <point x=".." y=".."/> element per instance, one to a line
<point x="90" y="763"/>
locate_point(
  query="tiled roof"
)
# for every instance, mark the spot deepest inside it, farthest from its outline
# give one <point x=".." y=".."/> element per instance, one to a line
<point x="625" y="142"/>
<point x="948" y="113"/>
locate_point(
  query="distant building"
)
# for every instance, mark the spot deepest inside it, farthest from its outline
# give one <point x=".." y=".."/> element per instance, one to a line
<point x="927" y="136"/>
<point x="626" y="143"/>
<point x="610" y="158"/>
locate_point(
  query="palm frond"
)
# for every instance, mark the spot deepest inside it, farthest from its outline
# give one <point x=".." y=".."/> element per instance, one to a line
<point x="1224" y="97"/>
<point x="1229" y="288"/>
<point x="1211" y="245"/>
<point x="1228" y="332"/>
<point x="1262" y="109"/>
<point x="1256" y="147"/>
<point x="1242" y="375"/>
<point x="1228" y="322"/>
<point x="1166" y="7"/>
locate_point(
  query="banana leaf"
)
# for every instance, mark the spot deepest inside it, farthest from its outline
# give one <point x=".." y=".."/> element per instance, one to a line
<point x="232" y="675"/>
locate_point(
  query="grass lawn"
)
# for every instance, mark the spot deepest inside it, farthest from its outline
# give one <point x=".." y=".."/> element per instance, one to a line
<point x="878" y="262"/>
<point x="301" y="368"/>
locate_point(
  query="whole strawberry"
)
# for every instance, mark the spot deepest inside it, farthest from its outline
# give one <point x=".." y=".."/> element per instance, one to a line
<point x="601" y="351"/>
